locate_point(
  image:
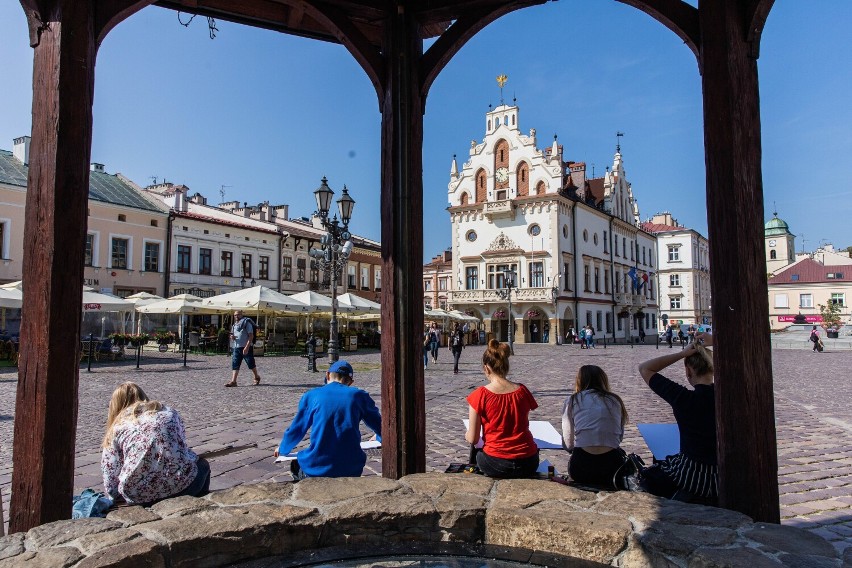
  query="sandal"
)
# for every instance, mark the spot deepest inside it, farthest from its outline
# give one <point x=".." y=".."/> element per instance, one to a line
<point x="256" y="381"/>
<point x="231" y="384"/>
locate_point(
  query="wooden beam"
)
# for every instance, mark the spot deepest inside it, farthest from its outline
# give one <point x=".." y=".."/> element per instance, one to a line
<point x="57" y="199"/>
<point x="403" y="393"/>
<point x="364" y="52"/>
<point x="755" y="20"/>
<point x="677" y="15"/>
<point x="745" y="416"/>
<point x="110" y="13"/>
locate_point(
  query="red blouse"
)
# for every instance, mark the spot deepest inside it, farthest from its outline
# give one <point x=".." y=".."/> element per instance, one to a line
<point x="505" y="422"/>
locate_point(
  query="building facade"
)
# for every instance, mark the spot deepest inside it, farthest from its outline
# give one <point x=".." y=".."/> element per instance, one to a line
<point x="797" y="290"/>
<point x="126" y="236"/>
<point x="683" y="273"/>
<point x="574" y="243"/>
<point x="780" y="245"/>
<point x="438" y="281"/>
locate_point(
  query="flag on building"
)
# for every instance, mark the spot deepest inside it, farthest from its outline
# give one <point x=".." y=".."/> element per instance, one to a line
<point x="632" y="274"/>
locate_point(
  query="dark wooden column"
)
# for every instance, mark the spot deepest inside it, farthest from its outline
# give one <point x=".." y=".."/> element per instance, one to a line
<point x="747" y="452"/>
<point x="403" y="395"/>
<point x="57" y="196"/>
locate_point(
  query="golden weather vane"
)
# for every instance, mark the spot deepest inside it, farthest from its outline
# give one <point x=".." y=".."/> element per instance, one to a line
<point x="501" y="80"/>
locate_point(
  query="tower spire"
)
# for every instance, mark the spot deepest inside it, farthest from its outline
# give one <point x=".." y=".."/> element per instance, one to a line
<point x="501" y="80"/>
<point x="454" y="169"/>
<point x="618" y="136"/>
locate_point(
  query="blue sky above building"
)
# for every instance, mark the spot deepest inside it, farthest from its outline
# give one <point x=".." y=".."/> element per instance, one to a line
<point x="268" y="115"/>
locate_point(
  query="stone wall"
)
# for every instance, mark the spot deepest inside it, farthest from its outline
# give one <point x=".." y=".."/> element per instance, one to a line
<point x="529" y="520"/>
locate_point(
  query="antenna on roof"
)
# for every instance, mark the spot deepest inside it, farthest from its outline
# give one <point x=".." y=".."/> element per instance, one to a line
<point x="803" y="242"/>
<point x="618" y="136"/>
<point x="222" y="192"/>
<point x="774" y="209"/>
<point x="154" y="179"/>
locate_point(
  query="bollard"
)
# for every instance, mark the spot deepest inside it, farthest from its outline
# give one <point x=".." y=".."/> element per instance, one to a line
<point x="91" y="349"/>
<point x="185" y="345"/>
<point x="138" y="354"/>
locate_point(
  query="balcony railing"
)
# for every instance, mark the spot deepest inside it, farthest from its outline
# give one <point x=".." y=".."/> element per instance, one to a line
<point x="491" y="296"/>
<point x="498" y="209"/>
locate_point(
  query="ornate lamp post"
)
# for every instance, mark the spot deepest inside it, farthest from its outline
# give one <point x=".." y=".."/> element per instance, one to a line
<point x="509" y="282"/>
<point x="555" y="294"/>
<point x="336" y="248"/>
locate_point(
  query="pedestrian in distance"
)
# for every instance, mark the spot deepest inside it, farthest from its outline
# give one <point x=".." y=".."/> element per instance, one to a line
<point x="333" y="414"/>
<point x="593" y="420"/>
<point x="590" y="337"/>
<point x="546" y="336"/>
<point x="499" y="413"/>
<point x="582" y="338"/>
<point x="242" y="347"/>
<point x="690" y="333"/>
<point x="456" y="346"/>
<point x="427" y="348"/>
<point x="815" y="339"/>
<point x="692" y="473"/>
<point x="434" y="341"/>
<point x="669" y="336"/>
<point x="144" y="456"/>
<point x="569" y="337"/>
<point x="641" y="335"/>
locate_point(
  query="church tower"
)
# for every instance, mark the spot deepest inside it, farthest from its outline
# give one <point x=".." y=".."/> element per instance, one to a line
<point x="779" y="244"/>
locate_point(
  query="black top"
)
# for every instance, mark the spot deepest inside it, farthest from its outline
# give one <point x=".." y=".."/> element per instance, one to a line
<point x="695" y="412"/>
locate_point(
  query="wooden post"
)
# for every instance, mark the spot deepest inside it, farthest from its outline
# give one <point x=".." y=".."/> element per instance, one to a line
<point x="403" y="394"/>
<point x="61" y="33"/>
<point x="747" y="452"/>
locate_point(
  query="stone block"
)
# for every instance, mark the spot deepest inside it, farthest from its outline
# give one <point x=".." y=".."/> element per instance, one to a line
<point x="730" y="558"/>
<point x="325" y="490"/>
<point x="60" y="557"/>
<point x="129" y="516"/>
<point x="646" y="509"/>
<point x="807" y="561"/>
<point x="586" y="535"/>
<point x="680" y="541"/>
<point x="639" y="556"/>
<point x="393" y="517"/>
<point x="242" y="494"/>
<point x="92" y="543"/>
<point x="60" y="532"/>
<point x="436" y="484"/>
<point x="180" y="506"/>
<point x="11" y="545"/>
<point x="138" y="553"/>
<point x="522" y="493"/>
<point x="790" y="539"/>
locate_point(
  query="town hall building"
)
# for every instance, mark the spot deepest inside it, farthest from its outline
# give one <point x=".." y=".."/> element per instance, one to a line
<point x="572" y="244"/>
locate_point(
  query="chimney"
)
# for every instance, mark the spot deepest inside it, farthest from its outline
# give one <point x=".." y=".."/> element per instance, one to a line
<point x="95" y="167"/>
<point x="21" y="149"/>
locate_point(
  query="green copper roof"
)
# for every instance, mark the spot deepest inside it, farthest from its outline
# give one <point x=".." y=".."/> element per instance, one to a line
<point x="776" y="228"/>
<point x="102" y="187"/>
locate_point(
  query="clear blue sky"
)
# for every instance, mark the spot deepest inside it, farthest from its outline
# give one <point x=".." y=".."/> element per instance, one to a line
<point x="268" y="114"/>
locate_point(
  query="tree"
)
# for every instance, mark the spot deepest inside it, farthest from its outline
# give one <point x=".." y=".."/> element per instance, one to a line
<point x="830" y="314"/>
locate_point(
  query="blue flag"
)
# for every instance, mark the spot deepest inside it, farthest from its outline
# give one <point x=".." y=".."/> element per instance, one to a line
<point x="632" y="274"/>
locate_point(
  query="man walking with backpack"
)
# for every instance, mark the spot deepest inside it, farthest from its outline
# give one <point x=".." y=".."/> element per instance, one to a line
<point x="456" y="346"/>
<point x="242" y="344"/>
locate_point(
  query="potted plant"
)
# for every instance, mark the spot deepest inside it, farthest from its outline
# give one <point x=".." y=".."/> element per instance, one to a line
<point x="623" y="314"/>
<point x="118" y="339"/>
<point x="830" y="314"/>
<point x="164" y="337"/>
<point x="500" y="314"/>
<point x="138" y="340"/>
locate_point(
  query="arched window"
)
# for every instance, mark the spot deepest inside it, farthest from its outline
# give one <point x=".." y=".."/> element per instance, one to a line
<point x="523" y="179"/>
<point x="481" y="186"/>
<point x="497" y="122"/>
<point x="464" y="199"/>
<point x="489" y="125"/>
<point x="513" y="120"/>
<point x="773" y="255"/>
<point x="540" y="188"/>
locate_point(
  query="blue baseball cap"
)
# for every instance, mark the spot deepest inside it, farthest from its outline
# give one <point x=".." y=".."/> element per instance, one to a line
<point x="341" y="367"/>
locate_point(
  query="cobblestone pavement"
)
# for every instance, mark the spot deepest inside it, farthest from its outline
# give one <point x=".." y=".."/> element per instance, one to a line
<point x="814" y="415"/>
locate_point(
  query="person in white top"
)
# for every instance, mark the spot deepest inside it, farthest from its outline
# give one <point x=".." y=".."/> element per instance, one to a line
<point x="593" y="420"/>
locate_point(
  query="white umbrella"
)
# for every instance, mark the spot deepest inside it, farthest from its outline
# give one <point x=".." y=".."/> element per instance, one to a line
<point x="11" y="298"/>
<point x="320" y="302"/>
<point x="18" y="285"/>
<point x="259" y="299"/>
<point x="463" y="316"/>
<point x="97" y="302"/>
<point x="140" y="299"/>
<point x="180" y="304"/>
<point x="359" y="305"/>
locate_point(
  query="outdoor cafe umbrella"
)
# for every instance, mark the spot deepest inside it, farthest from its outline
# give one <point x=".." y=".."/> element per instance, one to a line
<point x="180" y="304"/>
<point x="258" y="299"/>
<point x="463" y="316"/>
<point x="358" y="304"/>
<point x="11" y="298"/>
<point x="140" y="299"/>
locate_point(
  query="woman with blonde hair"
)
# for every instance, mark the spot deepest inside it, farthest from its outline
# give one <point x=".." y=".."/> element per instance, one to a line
<point x="692" y="473"/>
<point x="501" y="411"/>
<point x="593" y="420"/>
<point x="145" y="457"/>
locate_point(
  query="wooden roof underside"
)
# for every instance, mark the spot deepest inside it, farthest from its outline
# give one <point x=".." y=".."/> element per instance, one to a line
<point x="308" y="18"/>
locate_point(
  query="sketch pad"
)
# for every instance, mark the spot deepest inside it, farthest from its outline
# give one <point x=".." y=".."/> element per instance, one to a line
<point x="545" y="435"/>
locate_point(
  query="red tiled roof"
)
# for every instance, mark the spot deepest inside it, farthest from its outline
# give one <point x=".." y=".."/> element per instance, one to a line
<point x="216" y="221"/>
<point x="596" y="188"/>
<point x="659" y="228"/>
<point x="811" y="271"/>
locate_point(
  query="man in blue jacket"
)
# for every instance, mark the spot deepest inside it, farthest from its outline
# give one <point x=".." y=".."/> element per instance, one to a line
<point x="333" y="414"/>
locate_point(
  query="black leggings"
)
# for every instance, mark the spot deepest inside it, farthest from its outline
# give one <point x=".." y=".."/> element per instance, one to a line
<point x="507" y="468"/>
<point x="595" y="469"/>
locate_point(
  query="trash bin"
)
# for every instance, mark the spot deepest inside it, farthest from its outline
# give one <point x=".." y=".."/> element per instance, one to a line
<point x="351" y="342"/>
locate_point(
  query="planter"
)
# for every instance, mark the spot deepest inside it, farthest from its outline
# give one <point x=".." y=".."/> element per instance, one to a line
<point x="832" y="334"/>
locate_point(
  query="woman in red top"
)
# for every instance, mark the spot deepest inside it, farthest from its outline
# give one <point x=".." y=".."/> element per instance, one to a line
<point x="502" y="408"/>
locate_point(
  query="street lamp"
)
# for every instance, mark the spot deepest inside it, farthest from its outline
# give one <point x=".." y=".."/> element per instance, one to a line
<point x="555" y="294"/>
<point x="336" y="248"/>
<point x="509" y="282"/>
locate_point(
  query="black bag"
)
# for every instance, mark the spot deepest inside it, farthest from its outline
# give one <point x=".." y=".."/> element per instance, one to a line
<point x="632" y="467"/>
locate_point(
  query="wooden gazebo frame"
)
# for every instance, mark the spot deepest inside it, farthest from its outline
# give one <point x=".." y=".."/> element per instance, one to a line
<point x="386" y="38"/>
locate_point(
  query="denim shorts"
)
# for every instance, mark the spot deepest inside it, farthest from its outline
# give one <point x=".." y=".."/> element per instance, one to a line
<point x="237" y="358"/>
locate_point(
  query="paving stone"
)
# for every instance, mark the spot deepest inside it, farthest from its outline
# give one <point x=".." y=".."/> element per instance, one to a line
<point x="730" y="558"/>
<point x="790" y="540"/>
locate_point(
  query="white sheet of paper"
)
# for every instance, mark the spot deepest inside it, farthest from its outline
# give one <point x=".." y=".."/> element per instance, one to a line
<point x="545" y="435"/>
<point x="366" y="446"/>
<point x="543" y="465"/>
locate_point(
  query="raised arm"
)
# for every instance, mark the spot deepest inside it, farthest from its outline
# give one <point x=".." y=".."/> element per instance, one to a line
<point x="652" y="366"/>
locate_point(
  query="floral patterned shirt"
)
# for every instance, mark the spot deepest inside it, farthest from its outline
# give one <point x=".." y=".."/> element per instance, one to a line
<point x="148" y="459"/>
